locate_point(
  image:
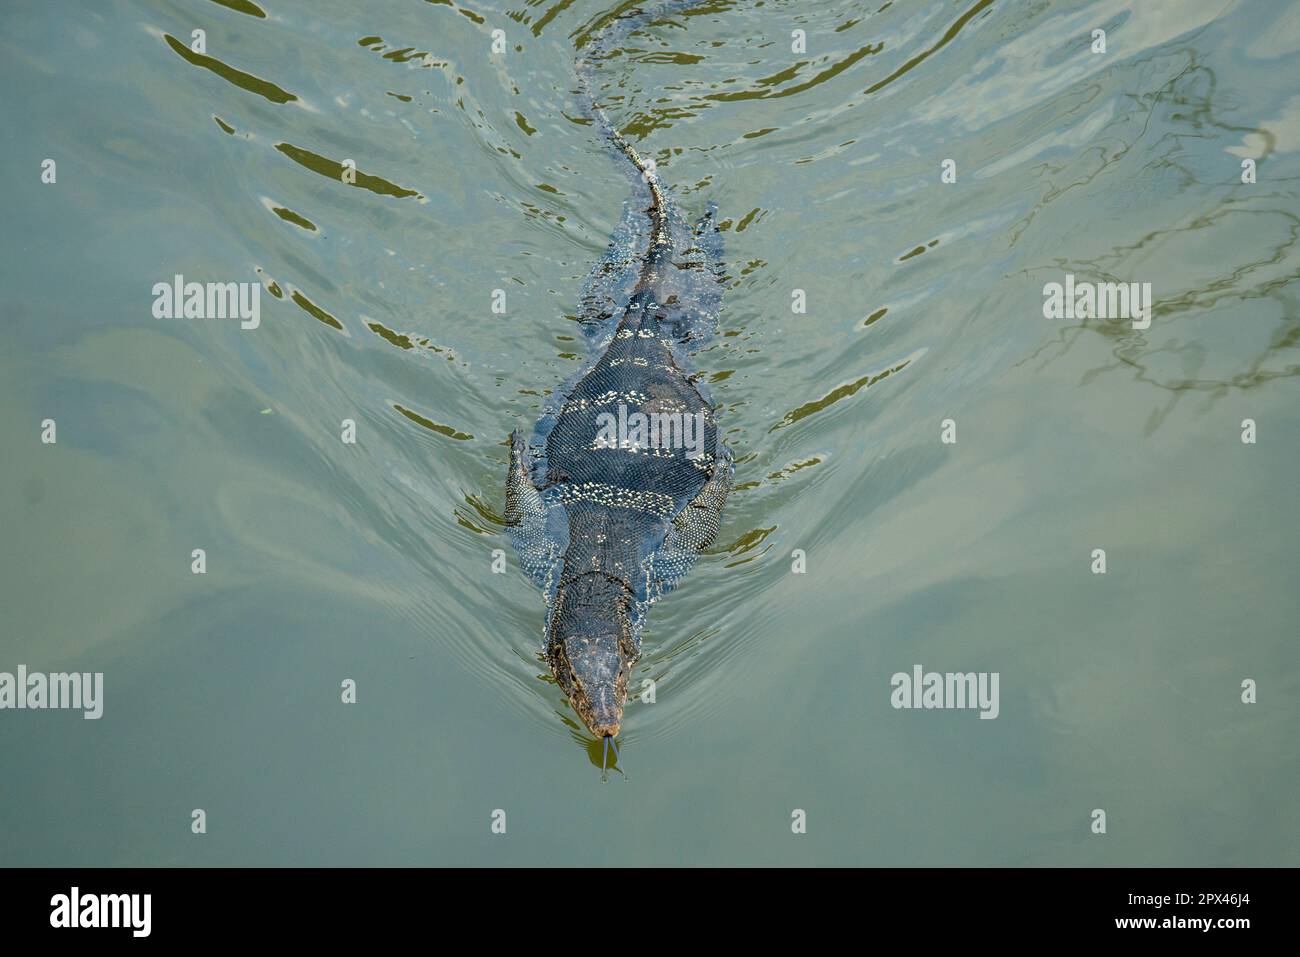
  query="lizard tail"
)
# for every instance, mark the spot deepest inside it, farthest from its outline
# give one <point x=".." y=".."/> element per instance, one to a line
<point x="603" y="39"/>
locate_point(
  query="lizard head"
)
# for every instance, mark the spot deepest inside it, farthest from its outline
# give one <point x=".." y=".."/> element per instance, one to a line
<point x="591" y="650"/>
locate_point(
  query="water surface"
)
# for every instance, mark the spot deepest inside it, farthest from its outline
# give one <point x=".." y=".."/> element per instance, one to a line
<point x="374" y="561"/>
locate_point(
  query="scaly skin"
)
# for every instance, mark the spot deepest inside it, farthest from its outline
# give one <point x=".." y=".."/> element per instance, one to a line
<point x="632" y="518"/>
<point x="619" y="503"/>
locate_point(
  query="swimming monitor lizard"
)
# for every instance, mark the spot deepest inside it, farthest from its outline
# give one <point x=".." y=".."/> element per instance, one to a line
<point x="624" y="479"/>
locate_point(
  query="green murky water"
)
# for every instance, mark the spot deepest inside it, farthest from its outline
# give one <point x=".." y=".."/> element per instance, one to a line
<point x="373" y="562"/>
